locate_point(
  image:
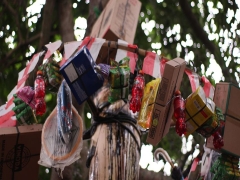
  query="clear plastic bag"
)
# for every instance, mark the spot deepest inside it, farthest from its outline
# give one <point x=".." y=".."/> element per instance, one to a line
<point x="54" y="152"/>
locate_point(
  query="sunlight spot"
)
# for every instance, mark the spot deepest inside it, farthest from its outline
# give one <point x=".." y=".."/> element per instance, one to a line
<point x="237" y="76"/>
<point x="156" y="166"/>
<point x="81" y="23"/>
<point x="215" y="69"/>
<point x="35" y="7"/>
<point x="169" y="33"/>
<point x="10" y="46"/>
<point x="149" y="39"/>
<point x="148" y="156"/>
<point x="184" y="149"/>
<point x="190" y="157"/>
<point x="47" y="170"/>
<point x="210" y="4"/>
<point x="219" y="5"/>
<point x="178" y="37"/>
<point x="236" y="52"/>
<point x="33" y="19"/>
<point x="80" y="28"/>
<point x="202" y="69"/>
<point x="74" y="5"/>
<point x="146" y="32"/>
<point x="179" y="47"/>
<point x="31" y="48"/>
<point x="89" y="115"/>
<point x="176" y="29"/>
<point x="167" y="169"/>
<point x="230" y="14"/>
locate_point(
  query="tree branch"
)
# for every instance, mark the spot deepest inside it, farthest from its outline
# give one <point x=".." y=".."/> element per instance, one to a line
<point x="45" y="34"/>
<point x="10" y="53"/>
<point x="202" y="35"/>
<point x="194" y="23"/>
<point x="66" y="23"/>
<point x="5" y="60"/>
<point x="15" y="16"/>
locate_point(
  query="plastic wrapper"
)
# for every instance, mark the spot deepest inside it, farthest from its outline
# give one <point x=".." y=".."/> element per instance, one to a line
<point x="119" y="80"/>
<point x="117" y="94"/>
<point x="103" y="69"/>
<point x="55" y="153"/>
<point x="198" y="110"/>
<point x="64" y="112"/>
<point x="149" y="96"/>
<point x="51" y="74"/>
<point x="120" y="73"/>
<point x="26" y="94"/>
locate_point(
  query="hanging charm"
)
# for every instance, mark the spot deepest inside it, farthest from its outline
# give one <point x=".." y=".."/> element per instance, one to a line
<point x="217" y="140"/>
<point x="39" y="87"/>
<point x="179" y="114"/>
<point x="137" y="92"/>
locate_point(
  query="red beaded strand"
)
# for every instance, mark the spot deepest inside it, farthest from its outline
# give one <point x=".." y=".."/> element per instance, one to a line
<point x="179" y="114"/>
<point x="137" y="92"/>
<point x="39" y="88"/>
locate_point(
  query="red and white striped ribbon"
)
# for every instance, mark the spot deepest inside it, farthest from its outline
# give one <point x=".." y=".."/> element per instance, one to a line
<point x="124" y="53"/>
<point x="208" y="87"/>
<point x="94" y="46"/>
<point x="69" y="49"/>
<point x="51" y="48"/>
<point x="193" y="78"/>
<point x="153" y="65"/>
<point x="193" y="167"/>
<point x="194" y="81"/>
<point x="6" y="112"/>
<point x="7" y="118"/>
<point x="22" y="77"/>
<point x="206" y="161"/>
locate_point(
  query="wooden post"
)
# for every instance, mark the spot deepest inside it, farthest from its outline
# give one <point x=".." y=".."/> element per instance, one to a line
<point x="116" y="153"/>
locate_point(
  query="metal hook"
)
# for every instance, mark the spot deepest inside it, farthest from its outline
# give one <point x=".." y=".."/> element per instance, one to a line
<point x="164" y="154"/>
